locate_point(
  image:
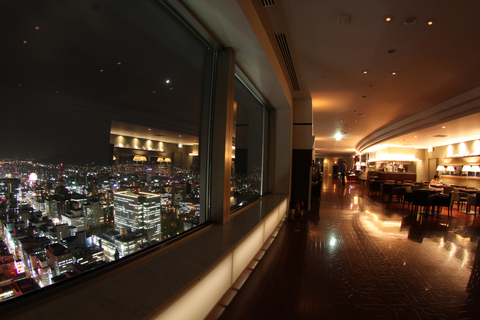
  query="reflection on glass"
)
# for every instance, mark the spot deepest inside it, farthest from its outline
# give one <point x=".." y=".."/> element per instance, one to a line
<point x="249" y="145"/>
<point x="102" y="106"/>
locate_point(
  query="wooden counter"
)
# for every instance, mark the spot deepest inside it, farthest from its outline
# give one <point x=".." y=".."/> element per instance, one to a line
<point x="397" y="176"/>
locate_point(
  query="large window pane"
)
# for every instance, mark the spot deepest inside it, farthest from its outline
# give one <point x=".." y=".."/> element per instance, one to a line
<point x="101" y="134"/>
<point x="249" y="143"/>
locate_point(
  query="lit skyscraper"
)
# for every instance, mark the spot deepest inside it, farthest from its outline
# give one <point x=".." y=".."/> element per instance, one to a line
<point x="138" y="212"/>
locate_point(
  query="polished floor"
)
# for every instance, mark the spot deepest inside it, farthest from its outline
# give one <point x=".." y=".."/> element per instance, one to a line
<point x="354" y="256"/>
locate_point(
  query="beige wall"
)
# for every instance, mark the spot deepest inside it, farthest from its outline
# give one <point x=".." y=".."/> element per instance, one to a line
<point x="472" y="147"/>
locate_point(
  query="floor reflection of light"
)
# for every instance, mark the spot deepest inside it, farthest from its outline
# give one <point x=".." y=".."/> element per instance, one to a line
<point x="332" y="242"/>
<point x="355" y="200"/>
<point x="441" y="244"/>
<point x="452" y="250"/>
<point x="372" y="225"/>
<point x="465" y="257"/>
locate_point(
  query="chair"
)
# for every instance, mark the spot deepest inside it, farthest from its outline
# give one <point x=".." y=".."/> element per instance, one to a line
<point x="473" y="200"/>
<point x="415" y="187"/>
<point x="444" y="200"/>
<point x="374" y="187"/>
<point x="390" y="190"/>
<point x="447" y="190"/>
<point x="407" y="196"/>
<point x="460" y="198"/>
<point x="422" y="198"/>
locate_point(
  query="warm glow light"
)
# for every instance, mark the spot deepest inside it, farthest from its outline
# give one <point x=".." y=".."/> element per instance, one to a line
<point x="394" y="157"/>
<point x="463" y="148"/>
<point x="475" y="169"/>
<point x="467" y="168"/>
<point x="449" y="151"/>
<point x="338" y="136"/>
<point x="441" y="168"/>
<point x="450" y="168"/>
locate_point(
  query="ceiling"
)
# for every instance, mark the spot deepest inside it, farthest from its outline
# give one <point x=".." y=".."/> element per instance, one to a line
<point x="367" y="78"/>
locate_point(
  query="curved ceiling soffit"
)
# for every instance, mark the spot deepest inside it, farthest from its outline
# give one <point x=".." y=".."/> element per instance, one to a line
<point x="460" y="106"/>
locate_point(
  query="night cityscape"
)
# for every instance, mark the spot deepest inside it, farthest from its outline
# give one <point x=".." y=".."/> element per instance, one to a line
<point x="61" y="220"/>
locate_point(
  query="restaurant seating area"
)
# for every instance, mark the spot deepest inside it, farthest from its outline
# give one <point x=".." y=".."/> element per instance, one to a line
<point x="426" y="198"/>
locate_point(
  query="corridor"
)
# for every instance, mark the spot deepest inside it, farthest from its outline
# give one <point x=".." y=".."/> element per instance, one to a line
<point x="357" y="257"/>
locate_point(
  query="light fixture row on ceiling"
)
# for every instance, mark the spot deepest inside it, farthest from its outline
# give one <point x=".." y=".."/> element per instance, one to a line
<point x="393" y="73"/>
<point x="410" y="20"/>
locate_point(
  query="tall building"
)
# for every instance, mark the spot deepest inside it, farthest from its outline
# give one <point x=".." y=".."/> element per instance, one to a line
<point x="11" y="193"/>
<point x="136" y="212"/>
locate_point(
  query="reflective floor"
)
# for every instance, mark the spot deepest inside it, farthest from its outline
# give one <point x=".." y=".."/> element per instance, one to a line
<point x="354" y="256"/>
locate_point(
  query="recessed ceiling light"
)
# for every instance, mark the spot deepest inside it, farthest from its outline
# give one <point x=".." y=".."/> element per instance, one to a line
<point x="101" y="70"/>
<point x="394" y="73"/>
<point x="389" y="18"/>
<point x="119" y="63"/>
<point x="152" y="92"/>
<point x="365" y="71"/>
<point x="24" y="41"/>
<point x="443" y="127"/>
<point x="430" y="22"/>
<point x="168" y="81"/>
<point x="37" y="27"/>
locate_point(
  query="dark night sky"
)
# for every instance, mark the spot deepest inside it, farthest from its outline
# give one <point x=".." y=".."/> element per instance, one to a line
<point x="108" y="61"/>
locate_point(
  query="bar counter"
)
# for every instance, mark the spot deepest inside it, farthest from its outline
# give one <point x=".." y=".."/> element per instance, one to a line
<point x="397" y="176"/>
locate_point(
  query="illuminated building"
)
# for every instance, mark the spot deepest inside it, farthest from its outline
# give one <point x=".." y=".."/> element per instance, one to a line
<point x="138" y="212"/>
<point x="11" y="192"/>
<point x="59" y="232"/>
<point x="60" y="259"/>
<point x="75" y="219"/>
<point x="42" y="270"/>
<point x="94" y="213"/>
<point x="116" y="245"/>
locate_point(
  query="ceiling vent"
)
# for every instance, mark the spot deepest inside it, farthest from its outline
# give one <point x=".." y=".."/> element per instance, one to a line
<point x="268" y="3"/>
<point x="287" y="58"/>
